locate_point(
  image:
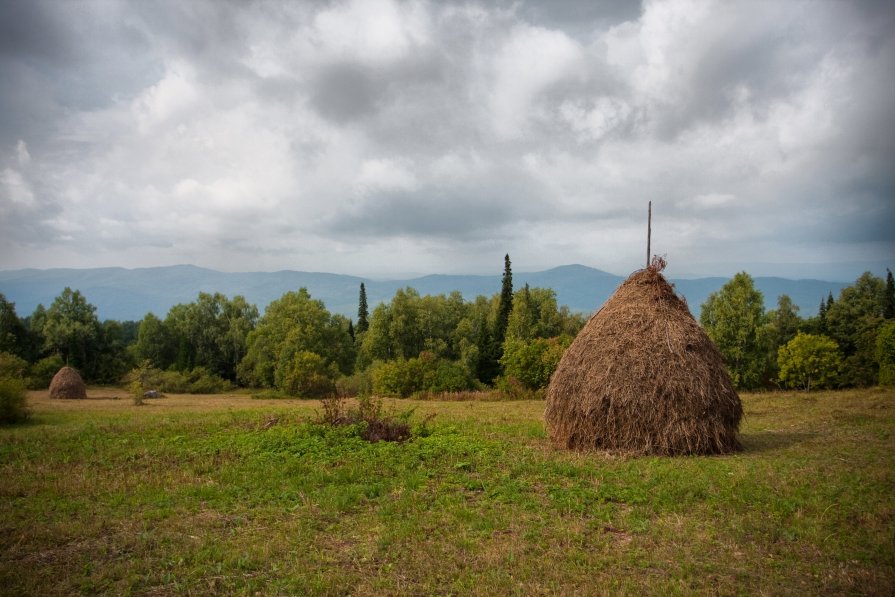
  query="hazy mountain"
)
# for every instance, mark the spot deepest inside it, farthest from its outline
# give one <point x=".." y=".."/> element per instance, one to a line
<point x="128" y="294"/>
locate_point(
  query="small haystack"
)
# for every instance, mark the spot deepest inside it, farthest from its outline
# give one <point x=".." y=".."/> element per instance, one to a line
<point x="643" y="377"/>
<point x="67" y="384"/>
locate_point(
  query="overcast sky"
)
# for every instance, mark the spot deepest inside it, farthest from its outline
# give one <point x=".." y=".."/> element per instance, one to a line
<point x="380" y="138"/>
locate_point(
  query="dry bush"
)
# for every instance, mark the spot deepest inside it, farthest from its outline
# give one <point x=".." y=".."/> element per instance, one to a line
<point x="377" y="426"/>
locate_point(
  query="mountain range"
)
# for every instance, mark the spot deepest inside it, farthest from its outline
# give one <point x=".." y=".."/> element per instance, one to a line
<point x="128" y="294"/>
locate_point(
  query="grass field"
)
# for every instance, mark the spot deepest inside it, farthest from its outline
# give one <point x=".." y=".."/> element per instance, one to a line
<point x="226" y="494"/>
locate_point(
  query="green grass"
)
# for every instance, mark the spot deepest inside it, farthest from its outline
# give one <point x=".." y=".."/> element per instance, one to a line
<point x="243" y="496"/>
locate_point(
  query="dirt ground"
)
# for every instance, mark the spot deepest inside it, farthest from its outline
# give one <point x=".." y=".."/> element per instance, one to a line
<point x="118" y="399"/>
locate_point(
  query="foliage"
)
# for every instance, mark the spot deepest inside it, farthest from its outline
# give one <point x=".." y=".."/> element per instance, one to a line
<point x="400" y="377"/>
<point x="733" y="318"/>
<point x="852" y="321"/>
<point x="885" y="354"/>
<point x="72" y="330"/>
<point x="363" y="311"/>
<point x="13" y="400"/>
<point x="42" y="372"/>
<point x="156" y="342"/>
<point x="13" y="366"/>
<point x="889" y="296"/>
<point x="411" y="324"/>
<point x="308" y="375"/>
<point x="294" y="325"/>
<point x="13" y="335"/>
<point x="359" y="383"/>
<point x="809" y="362"/>
<point x="505" y="306"/>
<point x="196" y="381"/>
<point x="532" y="362"/>
<point x="426" y="373"/>
<point x="210" y="332"/>
<point x="782" y="325"/>
<point x="368" y="419"/>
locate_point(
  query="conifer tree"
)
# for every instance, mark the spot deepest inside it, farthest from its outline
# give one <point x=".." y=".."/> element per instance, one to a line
<point x="506" y="302"/>
<point x="363" y="312"/>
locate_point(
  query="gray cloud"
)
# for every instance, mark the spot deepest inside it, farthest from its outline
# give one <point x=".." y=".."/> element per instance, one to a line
<point x="383" y="135"/>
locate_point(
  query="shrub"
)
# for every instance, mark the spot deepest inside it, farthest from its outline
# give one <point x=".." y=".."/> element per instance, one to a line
<point x="13" y="407"/>
<point x="885" y="354"/>
<point x="532" y="362"/>
<point x="808" y="361"/>
<point x="42" y="372"/>
<point x="406" y="377"/>
<point x="307" y="375"/>
<point x="13" y="366"/>
<point x="372" y="424"/>
<point x="197" y="381"/>
<point x="357" y="384"/>
<point x="401" y="377"/>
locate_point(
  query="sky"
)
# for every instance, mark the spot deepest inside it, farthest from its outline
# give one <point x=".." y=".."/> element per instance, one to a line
<point x="383" y="138"/>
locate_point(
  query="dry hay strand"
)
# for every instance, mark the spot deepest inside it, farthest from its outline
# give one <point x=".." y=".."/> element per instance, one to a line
<point x="67" y="384"/>
<point x="643" y="377"/>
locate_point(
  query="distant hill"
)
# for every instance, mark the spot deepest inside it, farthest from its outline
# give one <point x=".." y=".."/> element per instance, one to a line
<point x="128" y="294"/>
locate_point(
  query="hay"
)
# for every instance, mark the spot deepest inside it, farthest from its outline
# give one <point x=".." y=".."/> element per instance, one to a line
<point x="643" y="377"/>
<point x="67" y="384"/>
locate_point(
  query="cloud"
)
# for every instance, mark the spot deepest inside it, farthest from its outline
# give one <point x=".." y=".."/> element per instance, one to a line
<point x="380" y="136"/>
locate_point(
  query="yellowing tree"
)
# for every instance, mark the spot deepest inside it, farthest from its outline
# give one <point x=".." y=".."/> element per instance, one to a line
<point x="809" y="362"/>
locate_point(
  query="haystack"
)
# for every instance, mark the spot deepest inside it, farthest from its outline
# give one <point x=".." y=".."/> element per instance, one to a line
<point x="67" y="384"/>
<point x="643" y="377"/>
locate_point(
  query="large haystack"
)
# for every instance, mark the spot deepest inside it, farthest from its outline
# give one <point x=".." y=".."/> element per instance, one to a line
<point x="643" y="377"/>
<point x="67" y="384"/>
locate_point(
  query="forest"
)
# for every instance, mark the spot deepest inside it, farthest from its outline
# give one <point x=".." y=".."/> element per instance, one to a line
<point x="417" y="345"/>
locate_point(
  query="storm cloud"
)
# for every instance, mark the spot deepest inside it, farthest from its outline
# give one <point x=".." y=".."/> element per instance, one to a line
<point x="380" y="137"/>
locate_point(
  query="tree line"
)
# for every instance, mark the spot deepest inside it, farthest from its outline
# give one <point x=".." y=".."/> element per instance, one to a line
<point x="413" y="344"/>
<point x="850" y="342"/>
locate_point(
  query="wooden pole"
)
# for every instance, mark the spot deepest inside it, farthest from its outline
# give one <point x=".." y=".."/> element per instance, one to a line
<point x="649" y="231"/>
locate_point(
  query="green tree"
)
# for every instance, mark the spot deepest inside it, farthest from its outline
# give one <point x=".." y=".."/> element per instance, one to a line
<point x="291" y="326"/>
<point x="889" y="300"/>
<point x="155" y="343"/>
<point x="783" y="323"/>
<point x="13" y="335"/>
<point x="733" y="318"/>
<point x="113" y="359"/>
<point x="307" y="374"/>
<point x="885" y="353"/>
<point x="532" y="362"/>
<point x="210" y="333"/>
<point x="853" y="321"/>
<point x="72" y="330"/>
<point x="363" y="311"/>
<point x="809" y="362"/>
<point x="506" y="302"/>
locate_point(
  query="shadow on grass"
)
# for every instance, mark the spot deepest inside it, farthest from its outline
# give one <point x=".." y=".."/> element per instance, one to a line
<point x="769" y="441"/>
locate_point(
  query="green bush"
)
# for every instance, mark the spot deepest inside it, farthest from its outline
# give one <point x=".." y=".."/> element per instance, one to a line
<point x="13" y="408"/>
<point x="532" y="362"/>
<point x="405" y="377"/>
<point x="401" y="377"/>
<point x="885" y="354"/>
<point x="13" y="366"/>
<point x="809" y="362"/>
<point x="357" y="384"/>
<point x="197" y="381"/>
<point x="307" y="375"/>
<point x="42" y="372"/>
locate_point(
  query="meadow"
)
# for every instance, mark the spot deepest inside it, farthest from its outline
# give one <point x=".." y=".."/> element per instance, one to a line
<point x="230" y="494"/>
